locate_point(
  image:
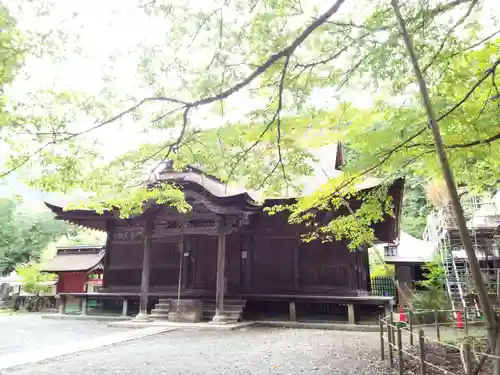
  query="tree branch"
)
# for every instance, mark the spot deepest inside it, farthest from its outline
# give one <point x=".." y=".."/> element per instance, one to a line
<point x="268" y="175"/>
<point x="245" y="153"/>
<point x="448" y="34"/>
<point x="276" y="117"/>
<point x="278" y="126"/>
<point x="173" y="145"/>
<point x="477" y="44"/>
<point x="471" y="91"/>
<point x="286" y="52"/>
<point x="491" y="139"/>
<point x="487" y="73"/>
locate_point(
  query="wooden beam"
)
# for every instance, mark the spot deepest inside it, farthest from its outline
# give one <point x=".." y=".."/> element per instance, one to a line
<point x="187" y="231"/>
<point x="165" y="217"/>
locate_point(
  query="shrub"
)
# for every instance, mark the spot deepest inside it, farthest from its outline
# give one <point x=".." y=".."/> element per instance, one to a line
<point x="434" y="297"/>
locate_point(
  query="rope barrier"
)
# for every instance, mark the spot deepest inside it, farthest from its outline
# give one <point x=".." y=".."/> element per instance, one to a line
<point x="467" y="348"/>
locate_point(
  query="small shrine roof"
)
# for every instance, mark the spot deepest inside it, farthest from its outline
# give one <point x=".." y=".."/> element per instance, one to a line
<point x="75" y="258"/>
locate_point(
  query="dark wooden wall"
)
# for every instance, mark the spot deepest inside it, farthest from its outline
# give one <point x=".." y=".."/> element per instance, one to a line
<point x="281" y="262"/>
<point x="267" y="256"/>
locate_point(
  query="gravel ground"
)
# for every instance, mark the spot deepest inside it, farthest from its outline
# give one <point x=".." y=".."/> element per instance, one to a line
<point x="250" y="351"/>
<point x="22" y="332"/>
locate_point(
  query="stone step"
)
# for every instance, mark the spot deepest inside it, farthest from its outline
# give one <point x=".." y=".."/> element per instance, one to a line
<point x="156" y="312"/>
<point x="233" y="315"/>
<point x="226" y="308"/>
<point x="160" y="310"/>
<point x="159" y="317"/>
<point x="226" y="303"/>
<point x="230" y="307"/>
<point x="162" y="305"/>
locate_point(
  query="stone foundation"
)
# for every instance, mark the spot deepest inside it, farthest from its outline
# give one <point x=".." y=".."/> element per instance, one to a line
<point x="189" y="310"/>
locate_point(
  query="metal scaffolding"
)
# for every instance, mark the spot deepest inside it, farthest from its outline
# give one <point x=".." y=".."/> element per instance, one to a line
<point x="483" y="221"/>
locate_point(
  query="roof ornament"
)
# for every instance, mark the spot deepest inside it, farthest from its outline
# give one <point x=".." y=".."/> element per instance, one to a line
<point x="168" y="166"/>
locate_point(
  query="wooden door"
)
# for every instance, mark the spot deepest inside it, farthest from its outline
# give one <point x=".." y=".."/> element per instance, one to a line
<point x="233" y="263"/>
<point x="273" y="265"/>
<point x="203" y="255"/>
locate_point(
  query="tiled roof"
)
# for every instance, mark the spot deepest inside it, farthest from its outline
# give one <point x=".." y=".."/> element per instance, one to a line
<point x="73" y="262"/>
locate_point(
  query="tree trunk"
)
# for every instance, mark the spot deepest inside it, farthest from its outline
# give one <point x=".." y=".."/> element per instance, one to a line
<point x="486" y="305"/>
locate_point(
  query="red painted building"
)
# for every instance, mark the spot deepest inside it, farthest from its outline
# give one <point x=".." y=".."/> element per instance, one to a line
<point x="79" y="268"/>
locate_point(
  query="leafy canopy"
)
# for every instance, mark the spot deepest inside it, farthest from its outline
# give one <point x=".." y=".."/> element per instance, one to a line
<point x="24" y="233"/>
<point x="247" y="89"/>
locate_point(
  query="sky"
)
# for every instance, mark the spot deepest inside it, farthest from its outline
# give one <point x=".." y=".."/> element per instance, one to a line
<point x="101" y="29"/>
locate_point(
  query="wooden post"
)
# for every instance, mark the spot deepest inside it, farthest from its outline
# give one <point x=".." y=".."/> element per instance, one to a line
<point x="351" y="314"/>
<point x="436" y="321"/>
<point x="389" y="344"/>
<point x="393" y="332"/>
<point x="468" y="356"/>
<point x="466" y="323"/>
<point x="221" y="269"/>
<point x="84" y="305"/>
<point x="410" y="321"/>
<point x="62" y="304"/>
<point x="421" y="341"/>
<point x="293" y="312"/>
<point x="186" y="252"/>
<point x="247" y="259"/>
<point x="181" y="264"/>
<point x="146" y="265"/>
<point x="110" y="230"/>
<point x="400" y="351"/>
<point x="498" y="284"/>
<point x="125" y="306"/>
<point x="382" y="349"/>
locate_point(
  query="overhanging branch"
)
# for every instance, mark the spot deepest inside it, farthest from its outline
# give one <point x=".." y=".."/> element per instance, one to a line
<point x="188" y="105"/>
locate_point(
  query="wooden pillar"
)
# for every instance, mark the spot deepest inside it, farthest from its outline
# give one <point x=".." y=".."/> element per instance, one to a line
<point x="293" y="311"/>
<point x="185" y="251"/>
<point x="110" y="230"/>
<point x="62" y="304"/>
<point x="221" y="273"/>
<point x="351" y="315"/>
<point x="221" y="270"/>
<point x="246" y="260"/>
<point x="125" y="307"/>
<point x="146" y="265"/>
<point x="84" y="305"/>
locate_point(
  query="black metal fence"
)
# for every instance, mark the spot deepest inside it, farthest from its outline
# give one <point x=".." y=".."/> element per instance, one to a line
<point x="383" y="286"/>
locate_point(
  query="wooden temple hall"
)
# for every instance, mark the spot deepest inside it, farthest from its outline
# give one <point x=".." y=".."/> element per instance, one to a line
<point x="227" y="259"/>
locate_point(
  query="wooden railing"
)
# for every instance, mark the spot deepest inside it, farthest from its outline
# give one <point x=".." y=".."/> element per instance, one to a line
<point x="415" y="340"/>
